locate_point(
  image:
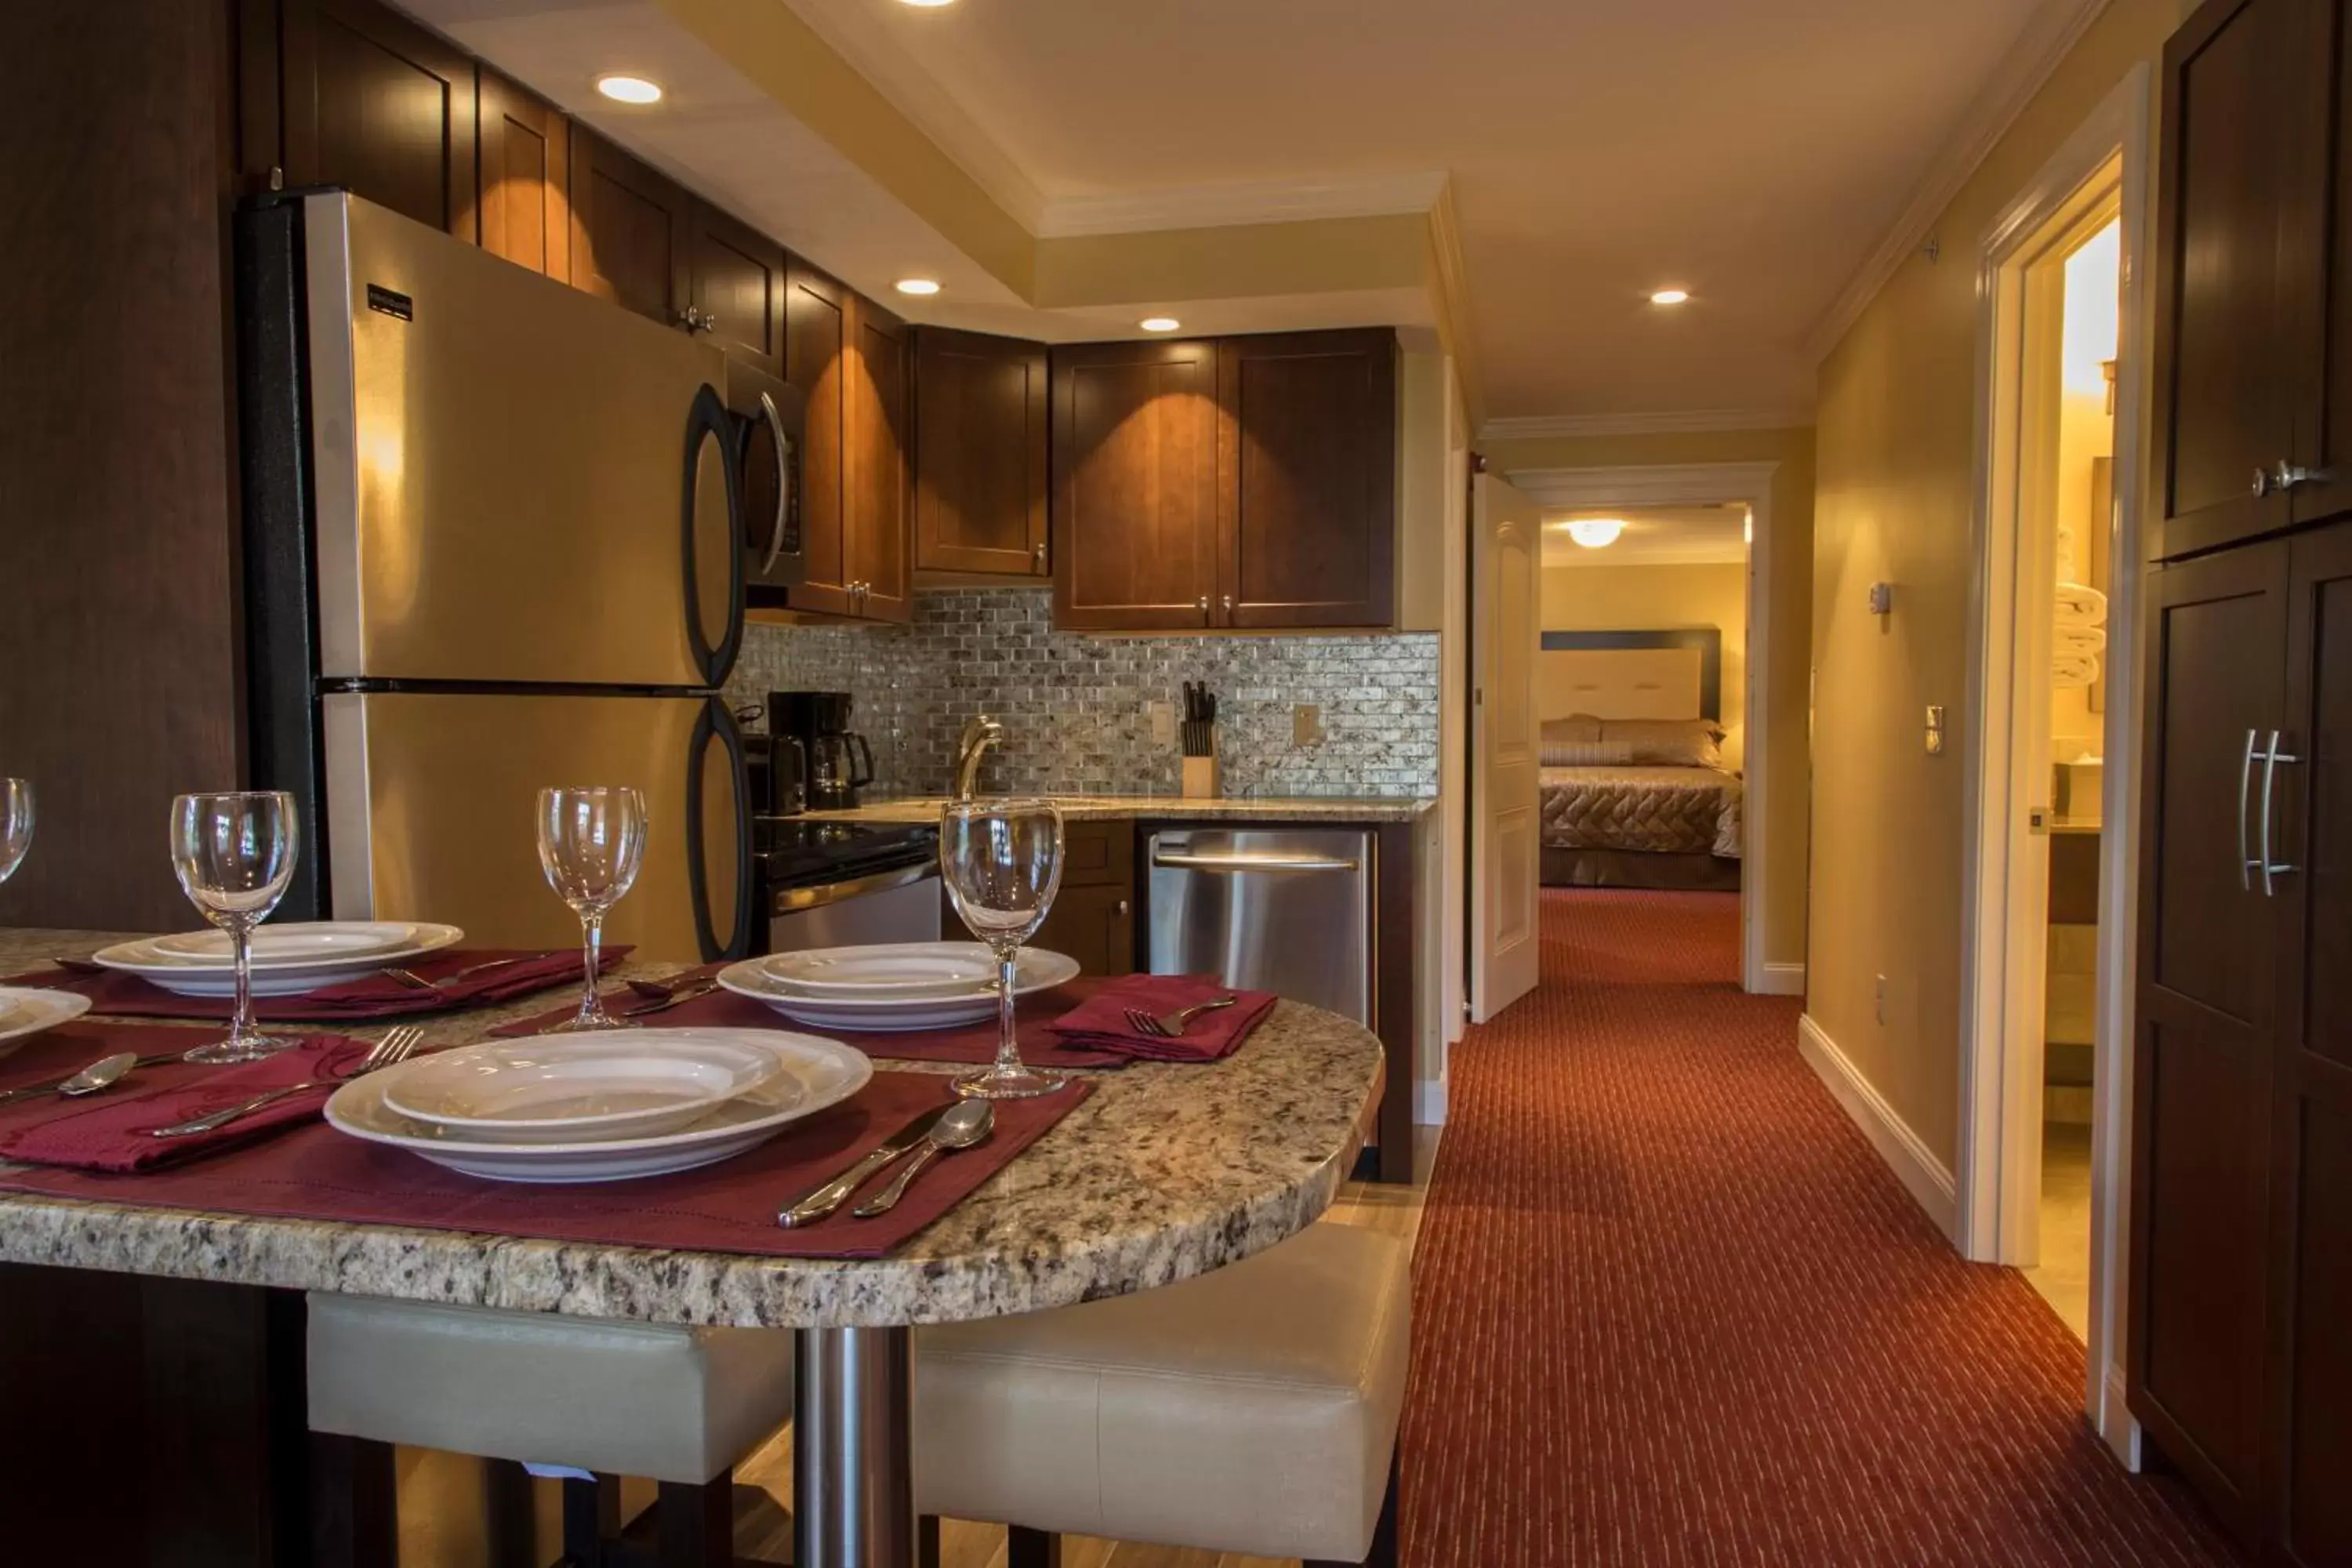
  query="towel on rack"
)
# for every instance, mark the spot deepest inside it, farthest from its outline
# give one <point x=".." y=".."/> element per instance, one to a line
<point x="2074" y="670"/>
<point x="2077" y="640"/>
<point x="2081" y="606"/>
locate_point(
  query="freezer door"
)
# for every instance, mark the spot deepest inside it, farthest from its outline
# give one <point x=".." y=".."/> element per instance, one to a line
<point x="1275" y="910"/>
<point x="430" y="812"/>
<point x="513" y="481"/>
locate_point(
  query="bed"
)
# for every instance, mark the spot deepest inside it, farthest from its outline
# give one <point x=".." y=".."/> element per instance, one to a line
<point x="1634" y="788"/>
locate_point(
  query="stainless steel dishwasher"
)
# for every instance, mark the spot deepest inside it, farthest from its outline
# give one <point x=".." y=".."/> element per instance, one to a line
<point x="1279" y="909"/>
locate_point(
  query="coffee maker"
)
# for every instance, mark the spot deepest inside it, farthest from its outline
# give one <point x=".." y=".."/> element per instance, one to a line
<point x="839" y="761"/>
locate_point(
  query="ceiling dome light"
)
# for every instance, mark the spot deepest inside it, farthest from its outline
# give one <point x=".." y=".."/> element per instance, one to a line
<point x="1596" y="532"/>
<point x="925" y="287"/>
<point x="1159" y="323"/>
<point x="629" y="88"/>
<point x="1669" y="296"/>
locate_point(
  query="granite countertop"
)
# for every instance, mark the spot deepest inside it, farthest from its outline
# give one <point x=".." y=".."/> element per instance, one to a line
<point x="1165" y="1173"/>
<point x="1112" y="807"/>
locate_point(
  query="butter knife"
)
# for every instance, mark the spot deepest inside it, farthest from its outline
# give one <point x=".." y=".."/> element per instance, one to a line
<point x="814" y="1205"/>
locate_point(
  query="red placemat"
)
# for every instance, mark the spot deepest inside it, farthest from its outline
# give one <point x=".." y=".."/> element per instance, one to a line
<point x="1032" y="1019"/>
<point x="316" y="1172"/>
<point x="110" y="1130"/>
<point x="373" y="996"/>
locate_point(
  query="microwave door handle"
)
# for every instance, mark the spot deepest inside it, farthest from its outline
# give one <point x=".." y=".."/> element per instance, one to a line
<point x="775" y="423"/>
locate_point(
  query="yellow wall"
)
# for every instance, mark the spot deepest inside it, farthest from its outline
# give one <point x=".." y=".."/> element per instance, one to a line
<point x="1896" y="445"/>
<point x="1791" y="545"/>
<point x="1660" y="598"/>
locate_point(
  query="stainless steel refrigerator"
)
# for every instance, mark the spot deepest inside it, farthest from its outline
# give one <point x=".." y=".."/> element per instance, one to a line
<point x="495" y="533"/>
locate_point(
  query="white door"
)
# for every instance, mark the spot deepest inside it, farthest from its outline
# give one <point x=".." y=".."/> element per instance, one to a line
<point x="1506" y="555"/>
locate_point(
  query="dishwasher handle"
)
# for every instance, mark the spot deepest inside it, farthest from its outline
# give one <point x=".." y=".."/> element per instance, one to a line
<point x="1186" y="861"/>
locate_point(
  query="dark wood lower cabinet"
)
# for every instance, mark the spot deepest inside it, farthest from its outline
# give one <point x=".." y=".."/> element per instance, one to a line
<point x="1093" y="918"/>
<point x="2241" y="1366"/>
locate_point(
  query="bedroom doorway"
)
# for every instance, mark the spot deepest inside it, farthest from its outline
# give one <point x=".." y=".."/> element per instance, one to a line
<point x="1652" y="679"/>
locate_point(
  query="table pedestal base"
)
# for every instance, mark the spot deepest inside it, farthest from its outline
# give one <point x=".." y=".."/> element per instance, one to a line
<point x="853" y="1472"/>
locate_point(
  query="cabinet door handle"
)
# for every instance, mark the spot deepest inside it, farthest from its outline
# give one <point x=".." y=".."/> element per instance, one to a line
<point x="1202" y="603"/>
<point x="2246" y="787"/>
<point x="1037" y="554"/>
<point x="2286" y="476"/>
<point x="1227" y="605"/>
<point x="2262" y="486"/>
<point x="1122" y="908"/>
<point x="2272" y="758"/>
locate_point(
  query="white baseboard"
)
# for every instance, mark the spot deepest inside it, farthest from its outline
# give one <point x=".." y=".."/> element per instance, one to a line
<point x="1781" y="980"/>
<point x="2117" y="1425"/>
<point x="1927" y="1178"/>
<point x="1429" y="1104"/>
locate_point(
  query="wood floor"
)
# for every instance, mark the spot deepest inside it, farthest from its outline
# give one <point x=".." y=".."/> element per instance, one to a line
<point x="442" y="1512"/>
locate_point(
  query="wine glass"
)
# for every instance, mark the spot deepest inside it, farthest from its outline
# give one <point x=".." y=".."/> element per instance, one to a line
<point x="234" y="854"/>
<point x="1002" y="863"/>
<point x="590" y="840"/>
<point x="15" y="824"/>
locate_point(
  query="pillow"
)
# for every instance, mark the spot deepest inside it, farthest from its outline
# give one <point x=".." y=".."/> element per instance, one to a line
<point x="1585" y="753"/>
<point x="1575" y="727"/>
<point x="1668" y="742"/>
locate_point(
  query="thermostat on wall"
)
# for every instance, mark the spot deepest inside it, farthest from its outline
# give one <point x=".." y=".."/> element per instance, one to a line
<point x="1882" y="598"/>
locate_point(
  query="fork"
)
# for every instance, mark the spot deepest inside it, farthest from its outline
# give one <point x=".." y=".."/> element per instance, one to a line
<point x="395" y="1047"/>
<point x="409" y="977"/>
<point x="1172" y="1026"/>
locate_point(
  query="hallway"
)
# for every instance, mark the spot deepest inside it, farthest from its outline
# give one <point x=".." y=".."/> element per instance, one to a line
<point x="1670" y="1308"/>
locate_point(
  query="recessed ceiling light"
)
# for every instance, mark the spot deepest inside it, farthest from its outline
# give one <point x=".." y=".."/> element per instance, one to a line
<point x="1669" y="296"/>
<point x="629" y="88"/>
<point x="1596" y="532"/>
<point x="929" y="5"/>
<point x="925" y="285"/>
<point x="1159" y="323"/>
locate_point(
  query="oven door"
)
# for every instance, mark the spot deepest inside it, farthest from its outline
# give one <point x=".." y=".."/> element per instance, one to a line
<point x="768" y="416"/>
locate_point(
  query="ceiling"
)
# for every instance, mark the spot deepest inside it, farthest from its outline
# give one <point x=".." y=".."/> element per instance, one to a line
<point x="1587" y="152"/>
<point x="1653" y="536"/>
<point x="1752" y="153"/>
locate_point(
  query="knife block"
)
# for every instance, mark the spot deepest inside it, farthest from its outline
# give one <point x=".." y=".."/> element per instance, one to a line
<point x="1201" y="775"/>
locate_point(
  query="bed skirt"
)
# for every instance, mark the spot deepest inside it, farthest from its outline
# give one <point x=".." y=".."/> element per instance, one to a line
<point x="1639" y="868"/>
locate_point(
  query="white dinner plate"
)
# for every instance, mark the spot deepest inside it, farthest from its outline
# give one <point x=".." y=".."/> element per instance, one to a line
<point x="815" y="1076"/>
<point x="1040" y="971"/>
<point x="579" y="1089"/>
<point x="25" y="1011"/>
<point x="887" y="969"/>
<point x="289" y="960"/>
<point x="296" y="941"/>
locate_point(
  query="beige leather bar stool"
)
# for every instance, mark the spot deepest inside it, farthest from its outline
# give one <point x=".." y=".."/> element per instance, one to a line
<point x="678" y="1406"/>
<point x="1251" y="1410"/>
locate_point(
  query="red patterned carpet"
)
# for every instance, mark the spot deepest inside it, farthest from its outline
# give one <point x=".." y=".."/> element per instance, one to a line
<point x="1671" y="1309"/>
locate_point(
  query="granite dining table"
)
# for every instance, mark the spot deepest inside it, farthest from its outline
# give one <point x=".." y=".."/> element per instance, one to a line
<point x="1164" y="1172"/>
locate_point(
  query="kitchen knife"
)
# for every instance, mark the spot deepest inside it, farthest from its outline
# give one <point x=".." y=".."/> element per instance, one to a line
<point x="814" y="1205"/>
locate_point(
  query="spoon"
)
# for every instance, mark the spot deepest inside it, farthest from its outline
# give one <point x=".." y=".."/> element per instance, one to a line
<point x="90" y="1080"/>
<point x="963" y="1126"/>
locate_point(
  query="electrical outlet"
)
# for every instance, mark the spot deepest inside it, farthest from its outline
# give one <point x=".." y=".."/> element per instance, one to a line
<point x="1882" y="1001"/>
<point x="1163" y="723"/>
<point x="1307" y="724"/>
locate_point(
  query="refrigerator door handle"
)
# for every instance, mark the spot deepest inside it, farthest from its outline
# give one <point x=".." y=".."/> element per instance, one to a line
<point x="707" y="422"/>
<point x="717" y="724"/>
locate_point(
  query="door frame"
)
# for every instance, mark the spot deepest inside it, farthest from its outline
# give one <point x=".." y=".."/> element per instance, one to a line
<point x="1706" y="484"/>
<point x="1998" y="1179"/>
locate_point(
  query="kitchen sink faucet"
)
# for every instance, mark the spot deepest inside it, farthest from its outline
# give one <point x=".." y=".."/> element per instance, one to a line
<point x="980" y="733"/>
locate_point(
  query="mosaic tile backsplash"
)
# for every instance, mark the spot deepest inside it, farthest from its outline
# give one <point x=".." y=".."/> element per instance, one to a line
<point x="1075" y="708"/>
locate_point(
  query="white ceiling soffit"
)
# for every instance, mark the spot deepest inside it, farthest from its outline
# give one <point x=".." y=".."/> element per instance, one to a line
<point x="1783" y="416"/>
<point x="2053" y="32"/>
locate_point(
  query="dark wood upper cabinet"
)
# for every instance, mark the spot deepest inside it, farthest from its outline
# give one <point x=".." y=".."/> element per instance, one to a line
<point x="1307" y="479"/>
<point x="381" y="106"/>
<point x="738" y="288"/>
<point x="1135" y="486"/>
<point x="526" y="178"/>
<point x="816" y="338"/>
<point x="629" y="230"/>
<point x="881" y="490"/>
<point x="981" y="453"/>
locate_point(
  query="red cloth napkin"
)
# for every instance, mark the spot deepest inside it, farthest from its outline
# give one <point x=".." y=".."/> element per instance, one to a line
<point x="112" y="1131"/>
<point x="1099" y="1022"/>
<point x="371" y="996"/>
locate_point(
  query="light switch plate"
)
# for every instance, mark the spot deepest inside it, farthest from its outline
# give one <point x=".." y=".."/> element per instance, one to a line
<point x="1163" y="723"/>
<point x="1307" y="724"/>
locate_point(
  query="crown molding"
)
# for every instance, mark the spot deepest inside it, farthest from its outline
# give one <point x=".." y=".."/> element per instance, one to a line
<point x="1232" y="205"/>
<point x="916" y="94"/>
<point x="1450" y="285"/>
<point x="1550" y="426"/>
<point x="2048" y="39"/>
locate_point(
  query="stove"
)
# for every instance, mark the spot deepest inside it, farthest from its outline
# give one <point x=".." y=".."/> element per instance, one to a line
<point x="794" y="852"/>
